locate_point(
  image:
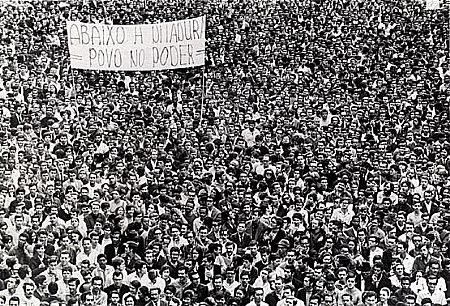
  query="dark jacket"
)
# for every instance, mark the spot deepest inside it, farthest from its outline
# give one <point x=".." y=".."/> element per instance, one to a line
<point x="241" y="242"/>
<point x="122" y="291"/>
<point x="200" y="292"/>
<point x="376" y="287"/>
<point x="272" y="299"/>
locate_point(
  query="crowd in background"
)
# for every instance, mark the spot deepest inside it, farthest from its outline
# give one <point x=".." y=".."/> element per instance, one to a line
<point x="306" y="164"/>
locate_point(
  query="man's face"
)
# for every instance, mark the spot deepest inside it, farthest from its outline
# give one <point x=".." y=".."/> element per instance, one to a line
<point x="405" y="284"/>
<point x="97" y="285"/>
<point x="424" y="251"/>
<point x="115" y="298"/>
<point x="29" y="290"/>
<point x="115" y="238"/>
<point x="66" y="275"/>
<point x="351" y="283"/>
<point x="87" y="245"/>
<point x="72" y="286"/>
<point x="117" y="280"/>
<point x="174" y="255"/>
<point x="19" y="222"/>
<point x="370" y="301"/>
<point x="20" y="196"/>
<point x="245" y="280"/>
<point x="89" y="300"/>
<point x="22" y="241"/>
<point x="218" y="283"/>
<point x="195" y="279"/>
<point x="65" y="258"/>
<point x="102" y="262"/>
<point x="434" y="269"/>
<point x="347" y="301"/>
<point x="278" y="285"/>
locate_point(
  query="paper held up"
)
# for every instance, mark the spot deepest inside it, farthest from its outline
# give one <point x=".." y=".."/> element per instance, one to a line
<point x="168" y="45"/>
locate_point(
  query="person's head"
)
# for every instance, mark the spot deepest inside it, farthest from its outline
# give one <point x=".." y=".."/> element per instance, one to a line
<point x="434" y="267"/>
<point x="424" y="250"/>
<point x="169" y="292"/>
<point x="195" y="278"/>
<point x="373" y="241"/>
<point x="182" y="272"/>
<point x="115" y="237"/>
<point x="405" y="282"/>
<point x="117" y="278"/>
<point x="129" y="300"/>
<point x="278" y="285"/>
<point x="245" y="278"/>
<point x="28" y="289"/>
<point x="385" y="294"/>
<point x="258" y="294"/>
<point x="328" y="300"/>
<point x="377" y="268"/>
<point x="14" y="301"/>
<point x="218" y="282"/>
<point x="410" y="300"/>
<point x="73" y="284"/>
<point x="141" y="267"/>
<point x="369" y="298"/>
<point x="87" y="244"/>
<point x="432" y="282"/>
<point x="351" y="280"/>
<point x="114" y="297"/>
<point x="101" y="260"/>
<point x="97" y="283"/>
<point x="315" y="300"/>
<point x="154" y="293"/>
<point x="23" y="238"/>
<point x="288" y="291"/>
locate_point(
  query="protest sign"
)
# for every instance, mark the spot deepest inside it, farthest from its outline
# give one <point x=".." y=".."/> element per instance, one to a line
<point x="168" y="45"/>
<point x="432" y="4"/>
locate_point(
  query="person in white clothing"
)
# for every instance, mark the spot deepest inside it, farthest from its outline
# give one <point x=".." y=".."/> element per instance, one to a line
<point x="288" y="297"/>
<point x="140" y="274"/>
<point x="437" y="296"/>
<point x="28" y="298"/>
<point x="87" y="253"/>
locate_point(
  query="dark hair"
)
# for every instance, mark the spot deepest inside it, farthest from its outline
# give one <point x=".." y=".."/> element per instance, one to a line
<point x="52" y="288"/>
<point x="367" y="295"/>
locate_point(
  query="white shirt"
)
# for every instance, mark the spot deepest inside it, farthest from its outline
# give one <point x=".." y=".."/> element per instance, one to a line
<point x="249" y="136"/>
<point x="32" y="301"/>
<point x="266" y="286"/>
<point x="92" y="257"/>
<point x="408" y="263"/>
<point x="297" y="302"/>
<point x="252" y="303"/>
<point x="345" y="217"/>
<point x="438" y="297"/>
<point x="144" y="280"/>
<point x="230" y="287"/>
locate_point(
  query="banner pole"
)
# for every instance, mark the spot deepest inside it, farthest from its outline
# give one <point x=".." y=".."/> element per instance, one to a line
<point x="203" y="93"/>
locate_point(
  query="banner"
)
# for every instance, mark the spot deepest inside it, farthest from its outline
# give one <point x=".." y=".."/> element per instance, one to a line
<point x="432" y="4"/>
<point x="168" y="45"/>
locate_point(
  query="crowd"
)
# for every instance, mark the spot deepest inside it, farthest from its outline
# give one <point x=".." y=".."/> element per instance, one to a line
<point x="306" y="164"/>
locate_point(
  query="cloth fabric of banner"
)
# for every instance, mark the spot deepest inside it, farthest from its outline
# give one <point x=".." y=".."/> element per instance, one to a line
<point x="143" y="47"/>
<point x="432" y="4"/>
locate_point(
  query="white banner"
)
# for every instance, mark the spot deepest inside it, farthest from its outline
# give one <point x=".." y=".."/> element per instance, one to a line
<point x="168" y="45"/>
<point x="432" y="4"/>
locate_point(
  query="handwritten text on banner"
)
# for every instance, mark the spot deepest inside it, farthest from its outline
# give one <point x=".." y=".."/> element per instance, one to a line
<point x="168" y="45"/>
